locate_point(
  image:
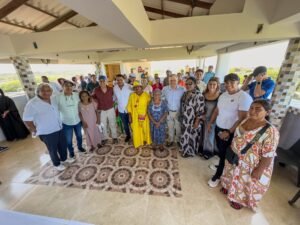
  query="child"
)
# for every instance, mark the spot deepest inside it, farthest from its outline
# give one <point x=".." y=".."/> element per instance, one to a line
<point x="90" y="120"/>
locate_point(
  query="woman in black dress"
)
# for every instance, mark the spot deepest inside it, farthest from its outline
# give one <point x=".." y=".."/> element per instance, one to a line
<point x="10" y="120"/>
<point x="191" y="110"/>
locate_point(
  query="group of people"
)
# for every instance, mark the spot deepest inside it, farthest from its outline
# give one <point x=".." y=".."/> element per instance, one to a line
<point x="194" y="114"/>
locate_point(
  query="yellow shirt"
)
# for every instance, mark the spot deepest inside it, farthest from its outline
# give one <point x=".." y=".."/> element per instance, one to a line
<point x="138" y="108"/>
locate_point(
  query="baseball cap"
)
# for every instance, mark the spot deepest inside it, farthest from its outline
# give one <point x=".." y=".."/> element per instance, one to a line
<point x="68" y="82"/>
<point x="231" y="77"/>
<point x="258" y="70"/>
<point x="101" y="77"/>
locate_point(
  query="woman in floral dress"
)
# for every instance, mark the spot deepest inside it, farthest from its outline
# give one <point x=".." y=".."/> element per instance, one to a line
<point x="246" y="184"/>
<point x="158" y="112"/>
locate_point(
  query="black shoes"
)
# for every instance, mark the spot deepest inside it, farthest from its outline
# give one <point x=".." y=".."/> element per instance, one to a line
<point x="127" y="138"/>
<point x="82" y="150"/>
<point x="115" y="141"/>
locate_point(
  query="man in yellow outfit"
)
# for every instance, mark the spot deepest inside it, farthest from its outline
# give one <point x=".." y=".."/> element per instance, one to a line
<point x="138" y="115"/>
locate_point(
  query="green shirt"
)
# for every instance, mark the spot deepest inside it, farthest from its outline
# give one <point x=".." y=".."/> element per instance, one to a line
<point x="68" y="108"/>
<point x="91" y="86"/>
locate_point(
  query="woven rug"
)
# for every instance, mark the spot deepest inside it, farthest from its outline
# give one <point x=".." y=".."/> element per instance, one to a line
<point x="120" y="168"/>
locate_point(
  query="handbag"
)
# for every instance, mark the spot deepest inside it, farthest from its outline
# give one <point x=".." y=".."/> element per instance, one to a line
<point x="233" y="158"/>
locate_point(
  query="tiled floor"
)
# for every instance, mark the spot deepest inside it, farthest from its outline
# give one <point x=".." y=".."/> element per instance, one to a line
<point x="198" y="205"/>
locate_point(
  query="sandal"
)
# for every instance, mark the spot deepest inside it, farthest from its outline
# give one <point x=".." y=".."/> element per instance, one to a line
<point x="154" y="148"/>
<point x="206" y="157"/>
<point x="185" y="155"/>
<point x="224" y="191"/>
<point x="99" y="145"/>
<point x="92" y="149"/>
<point x="236" y="205"/>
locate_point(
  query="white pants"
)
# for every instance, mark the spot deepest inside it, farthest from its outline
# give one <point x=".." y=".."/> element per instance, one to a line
<point x="109" y="116"/>
<point x="173" y="127"/>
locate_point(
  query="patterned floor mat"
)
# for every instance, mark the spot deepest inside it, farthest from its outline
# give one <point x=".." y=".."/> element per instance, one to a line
<point x="120" y="168"/>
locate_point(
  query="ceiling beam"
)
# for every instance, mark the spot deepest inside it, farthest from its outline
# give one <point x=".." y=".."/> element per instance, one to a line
<point x="128" y="22"/>
<point x="48" y="13"/>
<point x="10" y="7"/>
<point x="59" y="21"/>
<point x="195" y="3"/>
<point x="167" y="13"/>
<point x="18" y="25"/>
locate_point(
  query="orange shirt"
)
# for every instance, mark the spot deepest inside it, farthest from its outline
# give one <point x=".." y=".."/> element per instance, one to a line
<point x="181" y="83"/>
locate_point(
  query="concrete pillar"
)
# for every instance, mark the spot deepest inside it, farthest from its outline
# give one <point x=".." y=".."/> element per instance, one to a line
<point x="286" y="84"/>
<point x="122" y="68"/>
<point x="222" y="67"/>
<point x="25" y="74"/>
<point x="98" y="69"/>
<point x="200" y="63"/>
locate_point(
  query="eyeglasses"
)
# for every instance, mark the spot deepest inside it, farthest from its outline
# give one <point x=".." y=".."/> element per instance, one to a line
<point x="189" y="84"/>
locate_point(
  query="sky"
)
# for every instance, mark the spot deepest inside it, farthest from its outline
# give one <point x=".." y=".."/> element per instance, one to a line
<point x="270" y="55"/>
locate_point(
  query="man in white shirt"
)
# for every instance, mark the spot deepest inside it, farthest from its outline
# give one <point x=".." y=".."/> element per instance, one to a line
<point x="42" y="117"/>
<point x="200" y="84"/>
<point x="172" y="94"/>
<point x="56" y="88"/>
<point x="132" y="77"/>
<point x="122" y="92"/>
<point x="68" y="107"/>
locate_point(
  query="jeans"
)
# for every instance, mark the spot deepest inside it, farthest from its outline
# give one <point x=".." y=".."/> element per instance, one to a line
<point x="209" y="140"/>
<point x="68" y="130"/>
<point x="222" y="146"/>
<point x="56" y="145"/>
<point x="125" y="120"/>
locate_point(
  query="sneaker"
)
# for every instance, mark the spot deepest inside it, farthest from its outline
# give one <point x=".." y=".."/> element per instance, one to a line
<point x="61" y="167"/>
<point x="213" y="184"/>
<point x="127" y="138"/>
<point x="71" y="160"/>
<point x="82" y="150"/>
<point x="213" y="167"/>
<point x="115" y="141"/>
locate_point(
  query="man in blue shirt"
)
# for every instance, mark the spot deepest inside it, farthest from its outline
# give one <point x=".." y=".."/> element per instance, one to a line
<point x="209" y="74"/>
<point x="263" y="85"/>
<point x="172" y="94"/>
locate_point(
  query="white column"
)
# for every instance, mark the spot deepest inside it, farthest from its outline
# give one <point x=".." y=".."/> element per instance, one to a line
<point x="122" y="68"/>
<point x="200" y="63"/>
<point x="222" y="67"/>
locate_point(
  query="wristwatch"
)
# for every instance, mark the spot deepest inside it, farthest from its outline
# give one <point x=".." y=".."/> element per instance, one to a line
<point x="259" y="83"/>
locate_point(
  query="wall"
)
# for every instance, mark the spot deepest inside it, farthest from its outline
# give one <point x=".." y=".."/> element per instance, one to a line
<point x="6" y="47"/>
<point x="145" y="65"/>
